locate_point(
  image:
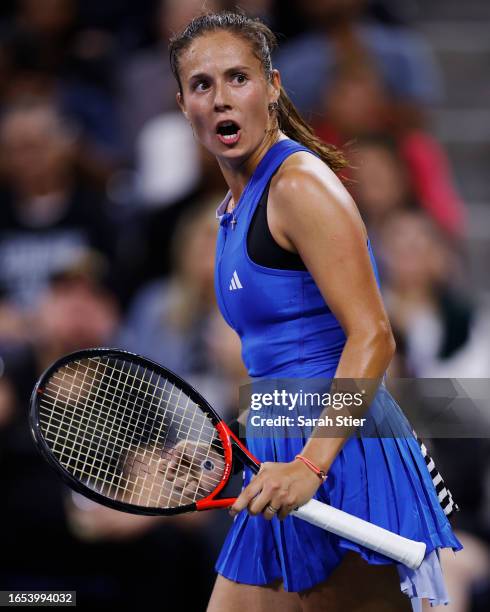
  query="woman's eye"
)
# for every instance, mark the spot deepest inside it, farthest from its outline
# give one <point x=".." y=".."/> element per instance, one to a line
<point x="240" y="78"/>
<point x="201" y="86"/>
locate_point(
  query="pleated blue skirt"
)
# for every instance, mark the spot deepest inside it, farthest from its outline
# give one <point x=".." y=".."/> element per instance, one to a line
<point x="379" y="476"/>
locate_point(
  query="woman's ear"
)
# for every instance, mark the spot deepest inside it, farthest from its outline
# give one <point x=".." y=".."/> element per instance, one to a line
<point x="180" y="102"/>
<point x="275" y="86"/>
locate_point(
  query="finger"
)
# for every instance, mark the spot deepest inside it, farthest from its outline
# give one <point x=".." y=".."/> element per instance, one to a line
<point x="270" y="511"/>
<point x="258" y="504"/>
<point x="181" y="490"/>
<point x="184" y="461"/>
<point x="173" y="465"/>
<point x="270" y="503"/>
<point x="285" y="510"/>
<point x="271" y="493"/>
<point x="189" y="488"/>
<point x="243" y="500"/>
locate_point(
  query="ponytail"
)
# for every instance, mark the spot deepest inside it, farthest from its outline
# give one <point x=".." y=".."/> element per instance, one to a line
<point x="295" y="127"/>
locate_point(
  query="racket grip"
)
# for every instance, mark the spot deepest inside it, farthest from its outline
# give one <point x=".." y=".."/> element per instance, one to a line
<point x="389" y="544"/>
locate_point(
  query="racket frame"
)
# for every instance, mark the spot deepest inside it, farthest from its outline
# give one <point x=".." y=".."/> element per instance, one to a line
<point x="232" y="447"/>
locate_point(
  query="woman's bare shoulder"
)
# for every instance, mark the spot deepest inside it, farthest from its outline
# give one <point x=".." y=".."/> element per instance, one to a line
<point x="304" y="182"/>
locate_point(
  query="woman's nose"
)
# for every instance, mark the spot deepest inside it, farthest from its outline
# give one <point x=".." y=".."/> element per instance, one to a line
<point x="221" y="99"/>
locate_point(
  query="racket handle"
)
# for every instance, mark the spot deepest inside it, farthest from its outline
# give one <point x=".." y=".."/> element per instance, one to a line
<point x="389" y="544"/>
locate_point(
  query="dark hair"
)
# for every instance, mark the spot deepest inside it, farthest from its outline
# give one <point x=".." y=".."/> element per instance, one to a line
<point x="263" y="42"/>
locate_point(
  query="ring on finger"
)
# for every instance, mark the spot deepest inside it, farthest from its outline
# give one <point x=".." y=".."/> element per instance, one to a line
<point x="272" y="509"/>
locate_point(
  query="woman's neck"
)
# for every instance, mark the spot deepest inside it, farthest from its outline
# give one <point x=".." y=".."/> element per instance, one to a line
<point x="237" y="176"/>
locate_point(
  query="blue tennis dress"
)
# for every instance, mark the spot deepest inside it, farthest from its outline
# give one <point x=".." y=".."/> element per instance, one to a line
<point x="288" y="331"/>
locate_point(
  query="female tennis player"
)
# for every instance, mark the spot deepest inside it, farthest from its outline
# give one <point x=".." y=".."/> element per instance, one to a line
<point x="296" y="279"/>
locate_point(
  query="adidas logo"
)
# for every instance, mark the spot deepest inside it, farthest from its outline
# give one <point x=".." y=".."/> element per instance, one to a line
<point x="235" y="282"/>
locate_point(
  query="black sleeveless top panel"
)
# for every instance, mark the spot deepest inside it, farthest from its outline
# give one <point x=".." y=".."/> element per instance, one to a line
<point x="261" y="246"/>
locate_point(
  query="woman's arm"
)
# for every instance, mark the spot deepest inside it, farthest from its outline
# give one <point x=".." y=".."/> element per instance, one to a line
<point x="311" y="213"/>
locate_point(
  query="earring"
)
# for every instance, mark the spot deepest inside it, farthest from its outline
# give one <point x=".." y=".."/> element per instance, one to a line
<point x="273" y="107"/>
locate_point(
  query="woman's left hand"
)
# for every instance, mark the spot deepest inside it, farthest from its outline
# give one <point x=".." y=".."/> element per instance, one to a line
<point x="277" y="489"/>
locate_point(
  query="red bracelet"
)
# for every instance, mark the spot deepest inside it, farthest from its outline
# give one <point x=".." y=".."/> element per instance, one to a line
<point x="309" y="464"/>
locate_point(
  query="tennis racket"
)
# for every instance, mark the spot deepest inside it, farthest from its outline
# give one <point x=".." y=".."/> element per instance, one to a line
<point x="132" y="435"/>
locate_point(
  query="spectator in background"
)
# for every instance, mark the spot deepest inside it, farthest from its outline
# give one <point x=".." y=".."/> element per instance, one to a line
<point x="443" y="334"/>
<point x="129" y="22"/>
<point x="47" y="215"/>
<point x="46" y="56"/>
<point x="77" y="311"/>
<point x="167" y="319"/>
<point x="381" y="183"/>
<point x="228" y="372"/>
<point x="361" y="78"/>
<point x="355" y="106"/>
<point x="149" y="70"/>
<point x="358" y="110"/>
<point x="340" y="37"/>
<point x="53" y="23"/>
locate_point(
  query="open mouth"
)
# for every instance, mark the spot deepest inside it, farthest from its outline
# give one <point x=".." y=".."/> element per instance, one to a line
<point x="228" y="132"/>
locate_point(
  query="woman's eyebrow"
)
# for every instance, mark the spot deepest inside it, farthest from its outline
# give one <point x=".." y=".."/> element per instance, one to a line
<point x="228" y="71"/>
<point x="198" y="75"/>
<point x="234" y="69"/>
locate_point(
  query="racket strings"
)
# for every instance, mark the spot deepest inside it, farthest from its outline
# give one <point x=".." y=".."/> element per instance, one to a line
<point x="111" y="437"/>
<point x="130" y="434"/>
<point x="149" y="386"/>
<point x="116" y="394"/>
<point x="103" y="475"/>
<point x="117" y="444"/>
<point x="118" y="440"/>
<point x="135" y="376"/>
<point x="131" y="426"/>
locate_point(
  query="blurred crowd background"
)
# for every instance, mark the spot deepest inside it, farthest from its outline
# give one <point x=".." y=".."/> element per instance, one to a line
<point x="107" y="232"/>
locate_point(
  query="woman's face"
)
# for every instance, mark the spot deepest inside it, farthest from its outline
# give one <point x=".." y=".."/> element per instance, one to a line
<point x="225" y="95"/>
